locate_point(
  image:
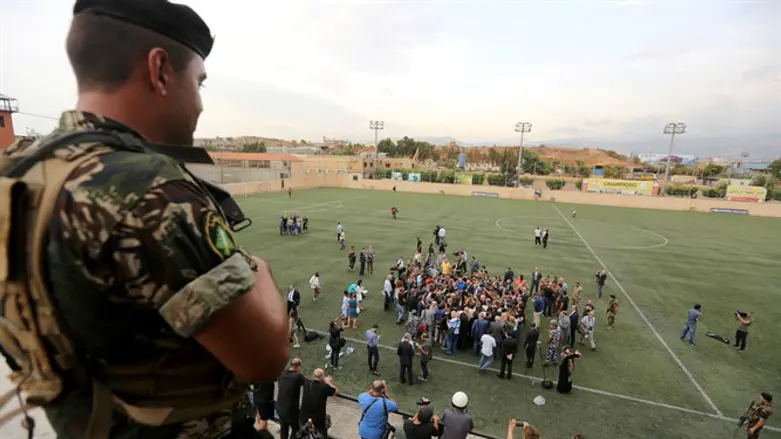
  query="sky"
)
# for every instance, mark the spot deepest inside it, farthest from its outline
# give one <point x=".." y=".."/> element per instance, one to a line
<point x="582" y="72"/>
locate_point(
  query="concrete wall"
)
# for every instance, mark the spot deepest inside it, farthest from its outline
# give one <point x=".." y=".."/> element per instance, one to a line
<point x="311" y="181"/>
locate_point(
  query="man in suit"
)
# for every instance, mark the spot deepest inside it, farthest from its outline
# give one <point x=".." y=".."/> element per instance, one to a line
<point x="600" y="278"/>
<point x="530" y="344"/>
<point x="479" y="327"/>
<point x="406" y="352"/>
<point x="509" y="275"/>
<point x="293" y="299"/>
<point x="509" y="349"/>
<point x="536" y="277"/>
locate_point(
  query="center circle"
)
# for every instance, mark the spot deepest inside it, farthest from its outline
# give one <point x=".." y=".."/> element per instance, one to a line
<point x="662" y="240"/>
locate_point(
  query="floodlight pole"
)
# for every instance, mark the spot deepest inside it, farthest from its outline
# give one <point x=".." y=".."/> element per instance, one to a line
<point x="521" y="127"/>
<point x="376" y="125"/>
<point x="672" y="129"/>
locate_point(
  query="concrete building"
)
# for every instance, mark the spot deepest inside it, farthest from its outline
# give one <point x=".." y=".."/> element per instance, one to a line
<point x="8" y="106"/>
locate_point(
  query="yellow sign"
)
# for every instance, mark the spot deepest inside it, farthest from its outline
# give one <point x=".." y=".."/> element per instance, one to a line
<point x="746" y="193"/>
<point x="609" y="186"/>
<point x="464" y="178"/>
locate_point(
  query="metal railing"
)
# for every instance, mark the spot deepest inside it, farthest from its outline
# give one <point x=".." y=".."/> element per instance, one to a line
<point x="345" y="414"/>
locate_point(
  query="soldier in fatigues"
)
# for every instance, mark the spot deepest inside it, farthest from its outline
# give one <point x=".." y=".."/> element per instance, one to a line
<point x="758" y="415"/>
<point x="612" y="310"/>
<point x="148" y="310"/>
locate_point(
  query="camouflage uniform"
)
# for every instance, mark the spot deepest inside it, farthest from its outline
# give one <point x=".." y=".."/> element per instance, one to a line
<point x="139" y="259"/>
<point x="553" y="346"/>
<point x="757" y="412"/>
<point x="612" y="310"/>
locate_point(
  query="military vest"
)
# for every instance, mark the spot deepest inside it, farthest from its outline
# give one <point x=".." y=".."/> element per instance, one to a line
<point x="45" y="363"/>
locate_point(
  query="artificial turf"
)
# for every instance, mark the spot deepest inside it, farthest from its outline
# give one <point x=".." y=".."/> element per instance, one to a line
<point x="665" y="260"/>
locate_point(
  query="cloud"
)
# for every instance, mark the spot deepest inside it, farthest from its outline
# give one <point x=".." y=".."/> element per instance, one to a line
<point x="770" y="73"/>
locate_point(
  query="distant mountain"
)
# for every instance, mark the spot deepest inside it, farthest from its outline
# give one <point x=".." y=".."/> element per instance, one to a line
<point x="758" y="146"/>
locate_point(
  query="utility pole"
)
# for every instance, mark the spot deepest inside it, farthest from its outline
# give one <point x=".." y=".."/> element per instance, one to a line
<point x="672" y="129"/>
<point x="521" y="127"/>
<point x="376" y="125"/>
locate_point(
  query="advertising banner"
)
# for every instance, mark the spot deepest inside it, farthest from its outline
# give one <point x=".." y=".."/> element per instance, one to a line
<point x="750" y="194"/>
<point x="464" y="178"/>
<point x="485" y="194"/>
<point x="396" y="176"/>
<point x="413" y="177"/>
<point x="732" y="211"/>
<point x="625" y="187"/>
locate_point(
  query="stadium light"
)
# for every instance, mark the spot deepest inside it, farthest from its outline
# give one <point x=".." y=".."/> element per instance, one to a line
<point x="521" y="127"/>
<point x="376" y="125"/>
<point x="672" y="129"/>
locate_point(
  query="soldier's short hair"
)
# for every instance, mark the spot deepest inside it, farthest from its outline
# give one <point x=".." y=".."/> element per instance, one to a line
<point x="104" y="51"/>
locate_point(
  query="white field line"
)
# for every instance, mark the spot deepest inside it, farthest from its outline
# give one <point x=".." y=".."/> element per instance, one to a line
<point x="335" y="204"/>
<point x="643" y="316"/>
<point x="585" y="389"/>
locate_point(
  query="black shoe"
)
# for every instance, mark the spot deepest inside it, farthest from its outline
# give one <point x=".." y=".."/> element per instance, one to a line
<point x="375" y="373"/>
<point x="501" y="377"/>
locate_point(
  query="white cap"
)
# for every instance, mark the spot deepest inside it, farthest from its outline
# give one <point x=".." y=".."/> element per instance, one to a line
<point x="460" y="400"/>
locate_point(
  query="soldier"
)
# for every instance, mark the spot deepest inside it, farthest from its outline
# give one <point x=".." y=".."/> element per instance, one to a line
<point x="758" y="414"/>
<point x="351" y="259"/>
<point x="612" y="310"/>
<point x="136" y="275"/>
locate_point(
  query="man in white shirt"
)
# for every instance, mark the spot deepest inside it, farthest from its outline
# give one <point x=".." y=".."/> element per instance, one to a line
<point x="314" y="284"/>
<point x="487" y="346"/>
<point x="587" y="325"/>
<point x="387" y="291"/>
<point x="537" y="236"/>
<point x="339" y="229"/>
<point x="442" y="236"/>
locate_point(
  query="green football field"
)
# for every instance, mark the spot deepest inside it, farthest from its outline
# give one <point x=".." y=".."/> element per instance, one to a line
<point x="642" y="382"/>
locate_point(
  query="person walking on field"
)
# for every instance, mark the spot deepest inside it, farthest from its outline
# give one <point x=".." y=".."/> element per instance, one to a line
<point x="600" y="278"/>
<point x="693" y="316"/>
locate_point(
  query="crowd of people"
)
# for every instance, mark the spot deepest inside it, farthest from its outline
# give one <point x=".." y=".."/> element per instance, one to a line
<point x="293" y="224"/>
<point x="448" y="299"/>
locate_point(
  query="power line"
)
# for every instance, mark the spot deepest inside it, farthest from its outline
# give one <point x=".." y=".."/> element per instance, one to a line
<point x="38" y="115"/>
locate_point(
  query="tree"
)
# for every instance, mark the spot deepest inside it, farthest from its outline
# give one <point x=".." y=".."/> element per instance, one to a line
<point x="493" y="156"/>
<point x="775" y="168"/>
<point x="584" y="170"/>
<point x="713" y="170"/>
<point x="254" y="147"/>
<point x="533" y="164"/>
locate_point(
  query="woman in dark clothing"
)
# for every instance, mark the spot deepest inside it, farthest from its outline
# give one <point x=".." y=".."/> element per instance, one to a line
<point x="566" y="369"/>
<point x="335" y="341"/>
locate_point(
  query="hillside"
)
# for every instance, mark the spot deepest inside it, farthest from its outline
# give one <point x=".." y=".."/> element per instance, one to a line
<point x="590" y="156"/>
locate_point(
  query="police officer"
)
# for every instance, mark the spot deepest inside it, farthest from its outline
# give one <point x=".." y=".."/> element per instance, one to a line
<point x="758" y="414"/>
<point x="166" y="314"/>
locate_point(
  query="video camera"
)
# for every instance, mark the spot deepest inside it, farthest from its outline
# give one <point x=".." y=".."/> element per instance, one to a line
<point x="740" y="313"/>
<point x="423" y="402"/>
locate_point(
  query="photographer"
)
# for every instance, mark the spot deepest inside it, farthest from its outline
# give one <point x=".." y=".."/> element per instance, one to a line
<point x="529" y="432"/>
<point x="425" y="424"/>
<point x="313" y="404"/>
<point x="744" y="319"/>
<point x="376" y="404"/>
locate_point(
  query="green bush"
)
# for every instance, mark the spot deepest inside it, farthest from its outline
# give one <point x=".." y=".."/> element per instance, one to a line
<point x="496" y="179"/>
<point x="777" y="195"/>
<point x="478" y="178"/>
<point x="447" y="176"/>
<point x="428" y="176"/>
<point x="579" y="185"/>
<point x="383" y="173"/>
<point x="714" y="192"/>
<point x="681" y="191"/>
<point x="525" y="181"/>
<point x="555" y="185"/>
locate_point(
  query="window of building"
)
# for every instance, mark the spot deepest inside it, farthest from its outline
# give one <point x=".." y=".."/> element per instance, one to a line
<point x="2" y="121"/>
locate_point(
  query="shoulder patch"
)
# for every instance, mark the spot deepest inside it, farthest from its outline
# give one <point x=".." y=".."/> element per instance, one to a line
<point x="218" y="235"/>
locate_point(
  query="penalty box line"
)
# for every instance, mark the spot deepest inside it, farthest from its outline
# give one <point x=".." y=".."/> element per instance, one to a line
<point x="643" y="316"/>
<point x="533" y="379"/>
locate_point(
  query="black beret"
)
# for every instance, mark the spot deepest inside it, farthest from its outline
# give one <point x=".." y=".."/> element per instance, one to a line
<point x="768" y="397"/>
<point x="175" y="21"/>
